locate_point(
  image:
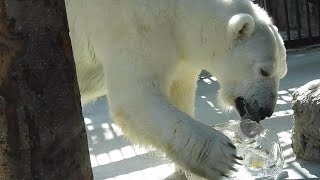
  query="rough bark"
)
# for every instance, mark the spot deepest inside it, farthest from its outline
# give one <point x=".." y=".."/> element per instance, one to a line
<point x="306" y="130"/>
<point x="42" y="132"/>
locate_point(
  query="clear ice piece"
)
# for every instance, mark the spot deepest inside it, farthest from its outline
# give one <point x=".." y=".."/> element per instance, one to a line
<point x="258" y="146"/>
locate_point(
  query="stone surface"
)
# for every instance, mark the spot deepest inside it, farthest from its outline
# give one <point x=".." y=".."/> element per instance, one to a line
<point x="306" y="130"/>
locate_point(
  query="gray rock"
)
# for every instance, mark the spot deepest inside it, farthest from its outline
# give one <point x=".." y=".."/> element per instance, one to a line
<point x="306" y="129"/>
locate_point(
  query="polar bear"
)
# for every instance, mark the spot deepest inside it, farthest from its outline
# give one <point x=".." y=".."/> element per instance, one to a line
<point x="146" y="55"/>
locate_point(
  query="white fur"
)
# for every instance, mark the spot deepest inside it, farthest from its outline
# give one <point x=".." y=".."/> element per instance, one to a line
<point x="147" y="54"/>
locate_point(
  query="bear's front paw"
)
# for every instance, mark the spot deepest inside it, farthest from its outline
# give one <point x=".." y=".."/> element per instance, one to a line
<point x="208" y="153"/>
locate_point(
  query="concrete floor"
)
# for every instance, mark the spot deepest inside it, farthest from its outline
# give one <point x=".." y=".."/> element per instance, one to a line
<point x="114" y="158"/>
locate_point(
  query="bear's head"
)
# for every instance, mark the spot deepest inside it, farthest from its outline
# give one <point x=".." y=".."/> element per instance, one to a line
<point x="250" y="71"/>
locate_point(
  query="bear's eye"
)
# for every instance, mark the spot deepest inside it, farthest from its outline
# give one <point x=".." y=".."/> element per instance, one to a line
<point x="264" y="73"/>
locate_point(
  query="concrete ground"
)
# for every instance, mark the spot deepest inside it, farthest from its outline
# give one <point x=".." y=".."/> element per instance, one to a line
<point x="114" y="158"/>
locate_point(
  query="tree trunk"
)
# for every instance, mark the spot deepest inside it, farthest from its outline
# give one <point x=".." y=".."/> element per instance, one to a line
<point x="42" y="132"/>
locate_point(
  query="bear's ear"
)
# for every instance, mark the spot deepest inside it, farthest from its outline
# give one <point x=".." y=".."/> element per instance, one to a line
<point x="241" y="27"/>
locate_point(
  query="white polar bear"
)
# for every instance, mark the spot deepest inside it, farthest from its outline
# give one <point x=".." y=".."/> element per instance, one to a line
<point x="147" y="54"/>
